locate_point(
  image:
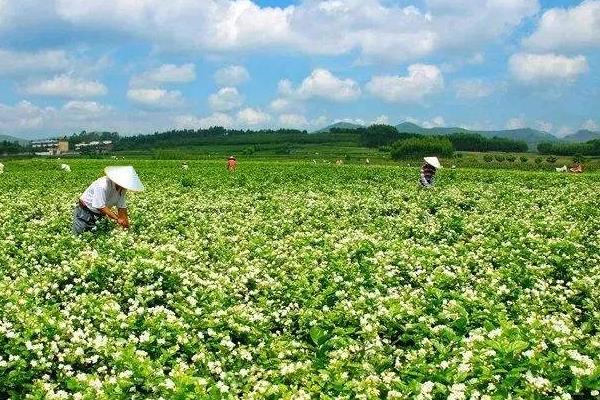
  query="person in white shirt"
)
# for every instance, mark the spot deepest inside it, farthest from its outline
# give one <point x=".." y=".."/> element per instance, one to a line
<point x="103" y="194"/>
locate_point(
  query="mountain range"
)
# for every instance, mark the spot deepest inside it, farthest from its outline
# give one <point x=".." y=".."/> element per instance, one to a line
<point x="531" y="136"/>
<point x="13" y="139"/>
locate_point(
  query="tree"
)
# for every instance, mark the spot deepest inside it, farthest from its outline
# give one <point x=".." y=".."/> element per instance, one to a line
<point x="422" y="146"/>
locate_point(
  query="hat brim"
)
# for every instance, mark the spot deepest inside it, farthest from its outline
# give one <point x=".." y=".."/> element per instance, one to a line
<point x="126" y="177"/>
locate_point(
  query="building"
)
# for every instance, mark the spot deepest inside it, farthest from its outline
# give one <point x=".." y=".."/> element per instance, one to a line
<point x="50" y="147"/>
<point x="102" y="146"/>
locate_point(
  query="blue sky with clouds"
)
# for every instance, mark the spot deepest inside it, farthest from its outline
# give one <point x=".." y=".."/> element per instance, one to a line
<point x="147" y="65"/>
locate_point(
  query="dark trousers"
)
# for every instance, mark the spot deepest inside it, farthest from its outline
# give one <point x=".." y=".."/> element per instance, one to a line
<point x="84" y="220"/>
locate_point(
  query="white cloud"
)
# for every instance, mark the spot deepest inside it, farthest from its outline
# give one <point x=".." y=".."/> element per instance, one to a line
<point x="473" y="89"/>
<point x="226" y="99"/>
<point x="372" y="29"/>
<point x="422" y="80"/>
<point x="66" y="86"/>
<point x="166" y="73"/>
<point x="591" y="125"/>
<point x="252" y="117"/>
<point x="156" y="98"/>
<point x="321" y="84"/>
<point x="232" y="75"/>
<point x="282" y="104"/>
<point x="572" y="28"/>
<point x="25" y="118"/>
<point x="564" y="131"/>
<point x="544" y="126"/>
<point x="436" y="122"/>
<point x="382" y="120"/>
<point x="85" y="107"/>
<point x="193" y="122"/>
<point x="19" y="62"/>
<point x="296" y="121"/>
<point x="516" y="123"/>
<point x="538" y="68"/>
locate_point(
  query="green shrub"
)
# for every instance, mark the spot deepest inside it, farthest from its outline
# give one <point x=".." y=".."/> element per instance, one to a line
<point x="539" y="160"/>
<point x="488" y="158"/>
<point x="422" y="146"/>
<point x="523" y="159"/>
<point x="499" y="157"/>
<point x="511" y="158"/>
<point x="551" y="159"/>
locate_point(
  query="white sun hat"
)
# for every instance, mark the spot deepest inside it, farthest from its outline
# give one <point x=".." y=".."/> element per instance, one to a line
<point x="126" y="177"/>
<point x="433" y="161"/>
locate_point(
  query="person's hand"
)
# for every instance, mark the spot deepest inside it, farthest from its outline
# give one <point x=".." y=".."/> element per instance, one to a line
<point x="124" y="222"/>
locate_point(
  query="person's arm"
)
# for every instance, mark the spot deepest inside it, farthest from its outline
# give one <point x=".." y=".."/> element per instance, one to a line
<point x="109" y="213"/>
<point x="123" y="218"/>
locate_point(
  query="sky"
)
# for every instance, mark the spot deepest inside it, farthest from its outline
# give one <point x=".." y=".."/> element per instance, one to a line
<point x="140" y="66"/>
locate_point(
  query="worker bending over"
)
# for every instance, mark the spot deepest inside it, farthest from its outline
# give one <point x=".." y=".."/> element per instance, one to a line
<point x="428" y="170"/>
<point x="103" y="194"/>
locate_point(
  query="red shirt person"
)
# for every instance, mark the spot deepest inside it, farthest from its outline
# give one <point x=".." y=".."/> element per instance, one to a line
<point x="231" y="164"/>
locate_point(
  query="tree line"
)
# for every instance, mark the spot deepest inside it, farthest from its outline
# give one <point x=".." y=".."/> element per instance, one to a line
<point x="590" y="148"/>
<point x="7" y="147"/>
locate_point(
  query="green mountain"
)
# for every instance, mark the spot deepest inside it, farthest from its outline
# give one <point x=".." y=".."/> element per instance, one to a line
<point x="531" y="136"/>
<point x="22" y="142"/>
<point x="583" y="135"/>
<point x="340" y="125"/>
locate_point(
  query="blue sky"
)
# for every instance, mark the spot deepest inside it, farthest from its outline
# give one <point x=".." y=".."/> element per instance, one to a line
<point x="147" y="65"/>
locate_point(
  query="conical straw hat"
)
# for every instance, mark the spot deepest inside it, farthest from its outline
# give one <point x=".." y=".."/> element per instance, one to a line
<point x="433" y="161"/>
<point x="126" y="177"/>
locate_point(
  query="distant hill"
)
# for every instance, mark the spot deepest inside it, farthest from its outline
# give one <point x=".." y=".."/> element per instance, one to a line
<point x="13" y="139"/>
<point x="340" y="125"/>
<point x="531" y="136"/>
<point x="583" y="135"/>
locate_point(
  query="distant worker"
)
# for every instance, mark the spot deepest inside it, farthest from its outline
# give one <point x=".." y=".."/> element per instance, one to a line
<point x="231" y="164"/>
<point x="103" y="194"/>
<point x="428" y="170"/>
<point x="577" y="168"/>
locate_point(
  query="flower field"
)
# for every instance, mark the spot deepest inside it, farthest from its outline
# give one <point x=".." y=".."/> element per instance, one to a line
<point x="299" y="281"/>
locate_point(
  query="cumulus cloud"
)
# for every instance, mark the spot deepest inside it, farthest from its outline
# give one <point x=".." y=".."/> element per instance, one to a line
<point x="516" y="123"/>
<point x="296" y="121"/>
<point x="435" y="122"/>
<point x="538" y="68"/>
<point x="422" y="80"/>
<point x="251" y="117"/>
<point x="473" y="89"/>
<point x="66" y="86"/>
<point x="382" y="120"/>
<point x="321" y="84"/>
<point x="232" y="75"/>
<point x="25" y="118"/>
<point x="374" y="29"/>
<point x="166" y="73"/>
<point x="85" y="107"/>
<point x="282" y="104"/>
<point x="20" y="62"/>
<point x="226" y="99"/>
<point x="544" y="126"/>
<point x="156" y="98"/>
<point x="193" y="122"/>
<point x="591" y="125"/>
<point x="568" y="28"/>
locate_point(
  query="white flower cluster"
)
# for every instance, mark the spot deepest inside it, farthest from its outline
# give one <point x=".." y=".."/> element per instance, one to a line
<point x="301" y="281"/>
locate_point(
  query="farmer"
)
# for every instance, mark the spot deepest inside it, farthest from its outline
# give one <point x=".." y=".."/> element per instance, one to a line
<point x="428" y="170"/>
<point x="231" y="164"/>
<point x="103" y="194"/>
<point x="577" y="168"/>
